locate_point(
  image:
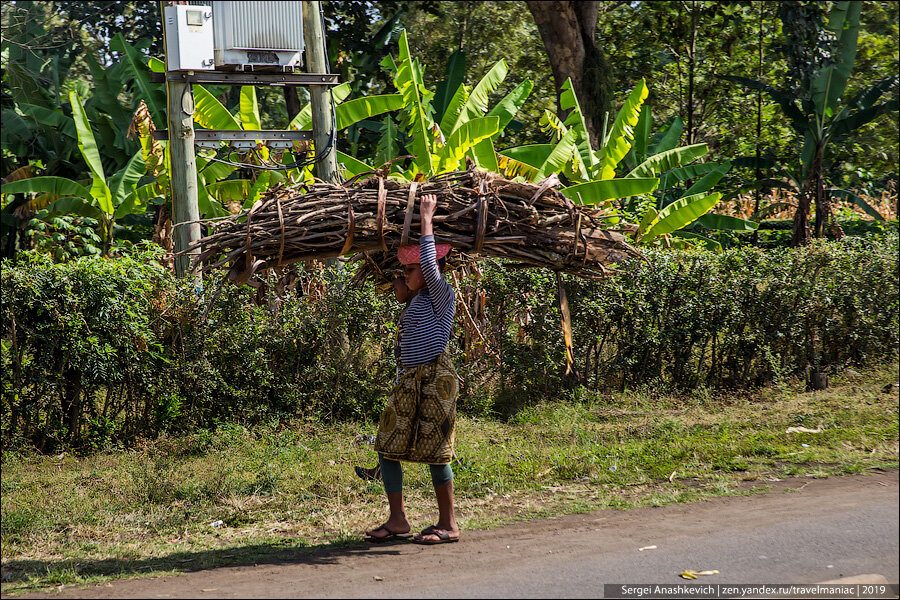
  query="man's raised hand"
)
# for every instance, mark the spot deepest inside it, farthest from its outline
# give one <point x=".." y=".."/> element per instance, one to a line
<point x="427" y="206"/>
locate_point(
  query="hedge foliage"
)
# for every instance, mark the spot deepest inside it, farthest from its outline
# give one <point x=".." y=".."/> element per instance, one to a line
<point x="97" y="351"/>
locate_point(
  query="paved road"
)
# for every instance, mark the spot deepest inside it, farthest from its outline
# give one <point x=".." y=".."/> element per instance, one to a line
<point x="805" y="531"/>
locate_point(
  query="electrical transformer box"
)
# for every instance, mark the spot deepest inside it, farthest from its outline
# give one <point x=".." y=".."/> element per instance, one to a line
<point x="189" y="38"/>
<point x="258" y="34"/>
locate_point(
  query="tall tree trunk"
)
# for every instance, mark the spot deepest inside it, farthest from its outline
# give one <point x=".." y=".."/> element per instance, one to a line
<point x="756" y="171"/>
<point x="691" y="52"/>
<point x="568" y="30"/>
<point x="825" y="221"/>
<point x="811" y="193"/>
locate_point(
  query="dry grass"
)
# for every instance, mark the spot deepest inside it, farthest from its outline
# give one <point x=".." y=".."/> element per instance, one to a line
<point x="742" y="206"/>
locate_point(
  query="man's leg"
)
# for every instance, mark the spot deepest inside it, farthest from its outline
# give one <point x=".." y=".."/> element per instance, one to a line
<point x="442" y="478"/>
<point x="392" y="475"/>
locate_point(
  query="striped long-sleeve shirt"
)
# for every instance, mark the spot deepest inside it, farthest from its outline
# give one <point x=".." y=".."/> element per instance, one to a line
<point x="428" y="320"/>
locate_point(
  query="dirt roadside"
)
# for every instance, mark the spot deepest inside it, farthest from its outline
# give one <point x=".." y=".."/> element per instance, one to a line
<point x="803" y="530"/>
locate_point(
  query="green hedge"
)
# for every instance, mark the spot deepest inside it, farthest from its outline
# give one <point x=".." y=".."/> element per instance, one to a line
<point x="98" y="351"/>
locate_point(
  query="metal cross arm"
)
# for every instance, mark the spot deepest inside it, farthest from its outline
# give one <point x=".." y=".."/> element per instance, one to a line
<point x="219" y="78"/>
<point x="228" y="135"/>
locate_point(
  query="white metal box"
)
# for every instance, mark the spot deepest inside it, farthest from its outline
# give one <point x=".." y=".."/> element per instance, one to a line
<point x="189" y="38"/>
<point x="258" y="34"/>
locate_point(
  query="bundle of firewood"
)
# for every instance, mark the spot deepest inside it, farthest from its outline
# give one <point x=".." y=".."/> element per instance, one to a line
<point x="479" y="213"/>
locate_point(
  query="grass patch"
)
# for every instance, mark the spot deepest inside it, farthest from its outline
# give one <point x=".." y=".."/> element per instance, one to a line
<point x="235" y="496"/>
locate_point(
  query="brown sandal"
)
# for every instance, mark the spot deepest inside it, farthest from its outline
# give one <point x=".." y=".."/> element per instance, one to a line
<point x="442" y="535"/>
<point x="390" y="536"/>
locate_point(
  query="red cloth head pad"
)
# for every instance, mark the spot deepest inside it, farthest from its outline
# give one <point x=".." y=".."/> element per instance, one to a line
<point x="409" y="255"/>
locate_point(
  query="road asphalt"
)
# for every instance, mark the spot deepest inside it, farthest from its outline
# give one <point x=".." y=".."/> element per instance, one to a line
<point x="803" y="531"/>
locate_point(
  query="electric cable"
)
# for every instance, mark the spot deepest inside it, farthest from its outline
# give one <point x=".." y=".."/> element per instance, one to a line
<point x="274" y="166"/>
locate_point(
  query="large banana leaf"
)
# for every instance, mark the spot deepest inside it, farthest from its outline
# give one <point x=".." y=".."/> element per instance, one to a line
<point x="354" y="111"/>
<point x="848" y="195"/>
<point x="249" y="108"/>
<point x="15" y="130"/>
<point x="854" y="121"/>
<point x="79" y="206"/>
<point x="507" y="108"/>
<point x="446" y="89"/>
<point x="387" y="148"/>
<point x="831" y="81"/>
<point x="595" y="192"/>
<point x="670" y="159"/>
<point x="621" y="134"/>
<point x="706" y="182"/>
<point x="207" y="205"/>
<point x="212" y="171"/>
<point x="669" y="138"/>
<point x="726" y="222"/>
<point x="303" y="120"/>
<point x="464" y="138"/>
<point x="651" y="216"/>
<point x="230" y="190"/>
<point x="553" y="125"/>
<point x="123" y="181"/>
<point x="511" y="167"/>
<point x="352" y="166"/>
<point x="408" y="81"/>
<point x="868" y="96"/>
<point x="135" y="67"/>
<point x="530" y="154"/>
<point x="587" y="161"/>
<point x="485" y="155"/>
<point x="641" y="136"/>
<point x="453" y="109"/>
<point x="681" y="213"/>
<point x="138" y="200"/>
<point x="55" y="186"/>
<point x="209" y="113"/>
<point x="88" y="147"/>
<point x="256" y="190"/>
<point x="477" y="103"/>
<point x="673" y="176"/>
<point x="558" y="157"/>
<point x="46" y="116"/>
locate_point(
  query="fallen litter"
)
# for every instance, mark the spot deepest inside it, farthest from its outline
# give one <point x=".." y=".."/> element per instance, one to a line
<point x="217" y="523"/>
<point x="691" y="574"/>
<point x="803" y="430"/>
<point x="646" y="548"/>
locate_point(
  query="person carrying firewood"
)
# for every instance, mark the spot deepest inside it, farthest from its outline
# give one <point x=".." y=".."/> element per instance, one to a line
<point x="418" y="422"/>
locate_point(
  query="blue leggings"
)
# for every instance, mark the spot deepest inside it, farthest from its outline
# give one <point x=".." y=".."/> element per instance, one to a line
<point x="392" y="474"/>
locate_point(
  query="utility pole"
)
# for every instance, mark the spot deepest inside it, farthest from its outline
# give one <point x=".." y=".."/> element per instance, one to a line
<point x="319" y="95"/>
<point x="183" y="175"/>
<point x="186" y="213"/>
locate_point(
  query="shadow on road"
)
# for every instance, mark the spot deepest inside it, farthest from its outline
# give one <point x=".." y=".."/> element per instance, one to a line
<point x="53" y="572"/>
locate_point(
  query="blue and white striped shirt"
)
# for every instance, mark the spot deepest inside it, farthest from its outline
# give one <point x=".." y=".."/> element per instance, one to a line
<point x="426" y="324"/>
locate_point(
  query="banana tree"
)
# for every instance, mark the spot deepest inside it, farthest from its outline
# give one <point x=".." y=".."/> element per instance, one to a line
<point x="650" y="166"/>
<point x="817" y="115"/>
<point x="104" y="199"/>
<point x="442" y="130"/>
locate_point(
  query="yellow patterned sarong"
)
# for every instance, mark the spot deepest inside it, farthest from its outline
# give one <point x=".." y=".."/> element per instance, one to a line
<point x="418" y="422"/>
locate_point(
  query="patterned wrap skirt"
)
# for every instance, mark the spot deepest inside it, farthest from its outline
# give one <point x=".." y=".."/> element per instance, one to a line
<point x="418" y="423"/>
